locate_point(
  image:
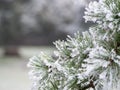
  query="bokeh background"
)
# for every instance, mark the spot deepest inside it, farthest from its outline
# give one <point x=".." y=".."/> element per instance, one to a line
<point x="28" y="27"/>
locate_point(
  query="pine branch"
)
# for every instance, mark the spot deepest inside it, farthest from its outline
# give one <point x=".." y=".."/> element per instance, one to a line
<point x="95" y="54"/>
<point x="90" y="85"/>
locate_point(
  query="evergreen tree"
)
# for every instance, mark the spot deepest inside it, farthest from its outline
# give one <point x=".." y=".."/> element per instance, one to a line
<point x="90" y="61"/>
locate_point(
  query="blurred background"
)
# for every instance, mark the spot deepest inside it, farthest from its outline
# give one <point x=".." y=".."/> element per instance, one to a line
<point x="28" y="27"/>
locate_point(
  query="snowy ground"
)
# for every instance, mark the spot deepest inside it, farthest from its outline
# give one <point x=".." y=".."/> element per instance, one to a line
<point x="13" y="71"/>
<point x="13" y="75"/>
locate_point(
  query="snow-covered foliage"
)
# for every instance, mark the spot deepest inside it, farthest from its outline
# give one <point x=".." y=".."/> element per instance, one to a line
<point x="90" y="61"/>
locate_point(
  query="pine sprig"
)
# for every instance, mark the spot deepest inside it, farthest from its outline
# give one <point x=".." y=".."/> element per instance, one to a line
<point x="90" y="61"/>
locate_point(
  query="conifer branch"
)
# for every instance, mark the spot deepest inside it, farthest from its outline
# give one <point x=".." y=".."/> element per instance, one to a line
<point x="94" y="54"/>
